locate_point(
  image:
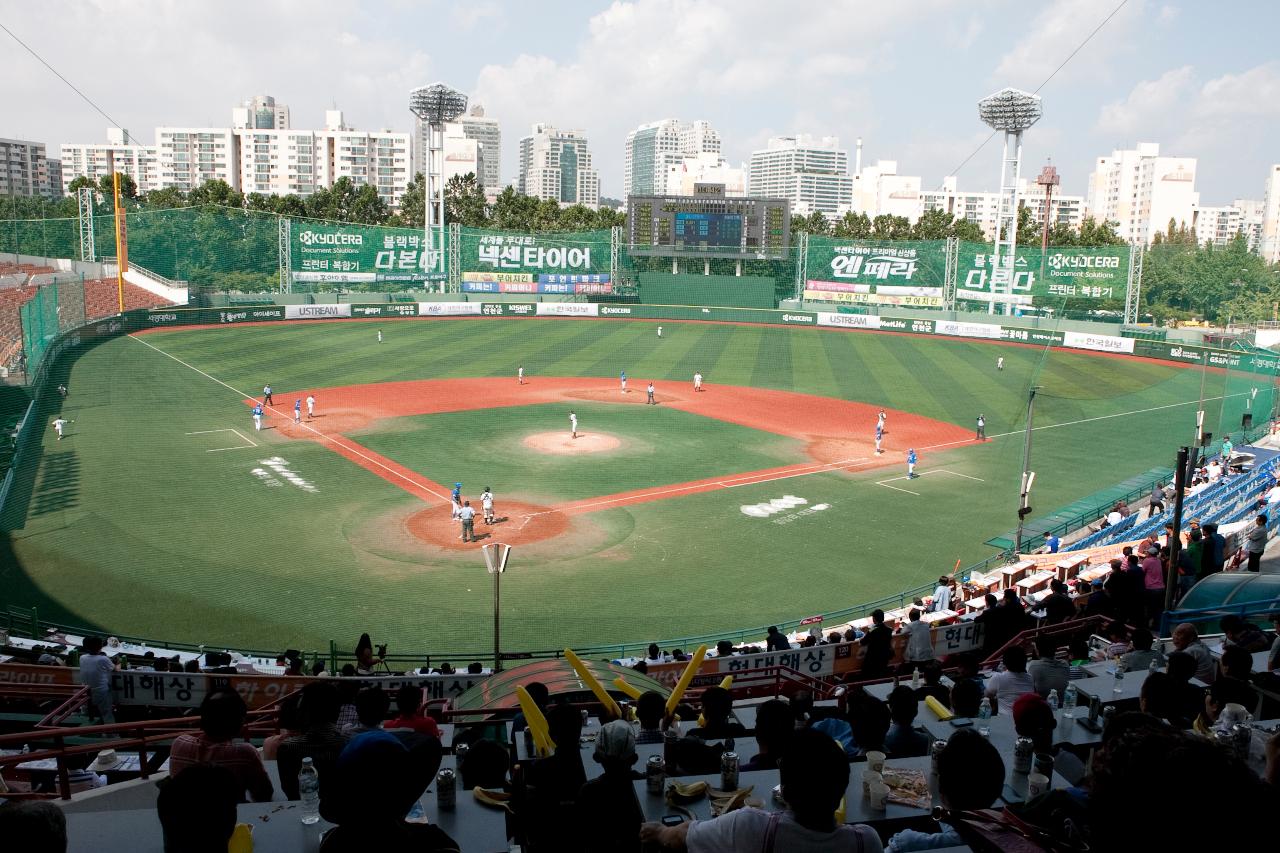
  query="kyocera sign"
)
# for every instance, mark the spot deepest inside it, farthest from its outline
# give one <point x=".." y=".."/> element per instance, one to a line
<point x="333" y="238"/>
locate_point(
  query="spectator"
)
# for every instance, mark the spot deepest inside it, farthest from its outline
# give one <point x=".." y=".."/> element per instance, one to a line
<point x="877" y="645"/>
<point x="903" y="739"/>
<point x="1058" y="606"/>
<point x="409" y="713"/>
<point x="869" y="723"/>
<point x="815" y="775"/>
<point x="932" y="672"/>
<point x="994" y="634"/>
<point x="1015" y="614"/>
<point x="320" y="739"/>
<point x="1153" y="584"/>
<point x="197" y="809"/>
<point x="655" y="654"/>
<point x="365" y="660"/>
<point x="970" y="777"/>
<point x="802" y="707"/>
<point x="1159" y="699"/>
<point x="45" y="657"/>
<point x="724" y="649"/>
<point x="776" y="641"/>
<point x="485" y="766"/>
<point x="33" y="826"/>
<point x="1046" y="671"/>
<point x="222" y="716"/>
<point x="1213" y="556"/>
<point x="717" y="706"/>
<point x="1190" y="559"/>
<point x="375" y="781"/>
<point x="1142" y="655"/>
<point x="1188" y="699"/>
<point x="1186" y="639"/>
<point x="919" y="641"/>
<point x="1156" y="502"/>
<point x="1052" y="543"/>
<point x="1236" y="669"/>
<point x="1004" y="687"/>
<point x="1132" y="774"/>
<point x="540" y="695"/>
<point x="609" y="814"/>
<point x="1242" y="634"/>
<point x="475" y="668"/>
<point x="775" y="723"/>
<point x="1118" y="643"/>
<point x="293" y="663"/>
<point x="1033" y="718"/>
<point x="650" y="709"/>
<point x="290" y="725"/>
<point x="850" y="635"/>
<point x="95" y="673"/>
<point x="941" y="596"/>
<point x="966" y="698"/>
<point x="1079" y="655"/>
<point x="372" y="705"/>
<point x="1255" y="541"/>
<point x="348" y="716"/>
<point x="192" y="665"/>
<point x="552" y="783"/>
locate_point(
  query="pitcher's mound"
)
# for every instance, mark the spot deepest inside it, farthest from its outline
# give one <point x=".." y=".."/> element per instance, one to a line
<point x="562" y="444"/>
<point x="516" y="524"/>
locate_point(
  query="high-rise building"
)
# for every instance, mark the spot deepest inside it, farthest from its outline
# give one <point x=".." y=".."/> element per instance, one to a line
<point x="25" y="170"/>
<point x="652" y="149"/>
<point x="705" y="168"/>
<point x="1218" y="225"/>
<point x="260" y="112"/>
<point x="462" y="154"/>
<point x="1251" y="216"/>
<point x="121" y="153"/>
<point x="1143" y="191"/>
<point x="982" y="207"/>
<point x="486" y="131"/>
<point x="186" y="157"/>
<point x="812" y="173"/>
<point x="556" y="164"/>
<point x="880" y="190"/>
<point x="1269" y="246"/>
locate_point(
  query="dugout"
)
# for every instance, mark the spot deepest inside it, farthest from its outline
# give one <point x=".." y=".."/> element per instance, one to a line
<point x="712" y="290"/>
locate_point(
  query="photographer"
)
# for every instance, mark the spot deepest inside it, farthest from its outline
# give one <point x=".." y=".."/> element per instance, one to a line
<point x="365" y="660"/>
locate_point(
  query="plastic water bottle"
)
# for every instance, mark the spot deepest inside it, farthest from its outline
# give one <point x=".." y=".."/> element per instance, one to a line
<point x="915" y="679"/>
<point x="1154" y="666"/>
<point x="984" y="709"/>
<point x="1053" y="700"/>
<point x="1118" y="685"/>
<point x="309" y="791"/>
<point x="1069" y="700"/>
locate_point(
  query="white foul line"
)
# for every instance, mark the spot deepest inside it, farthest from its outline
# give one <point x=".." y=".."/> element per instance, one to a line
<point x="885" y="483"/>
<point x="243" y="437"/>
<point x="319" y="434"/>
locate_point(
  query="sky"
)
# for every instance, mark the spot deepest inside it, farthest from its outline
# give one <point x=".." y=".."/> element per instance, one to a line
<point x="1200" y="78"/>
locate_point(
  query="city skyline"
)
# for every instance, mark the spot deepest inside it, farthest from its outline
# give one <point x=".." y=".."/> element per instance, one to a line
<point x="1203" y="85"/>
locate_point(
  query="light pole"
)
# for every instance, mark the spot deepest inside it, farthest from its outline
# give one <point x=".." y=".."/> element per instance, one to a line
<point x="495" y="561"/>
<point x="1013" y="111"/>
<point x="435" y="105"/>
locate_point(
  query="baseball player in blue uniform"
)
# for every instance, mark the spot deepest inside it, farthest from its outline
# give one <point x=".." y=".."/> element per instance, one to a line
<point x="297" y="411"/>
<point x="456" y="512"/>
<point x="879" y="436"/>
<point x="911" y="464"/>
<point x="624" y="382"/>
<point x="257" y="416"/>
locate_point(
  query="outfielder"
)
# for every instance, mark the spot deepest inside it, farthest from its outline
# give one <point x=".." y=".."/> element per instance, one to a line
<point x="311" y="406"/>
<point x="697" y="382"/>
<point x="58" y="424"/>
<point x="1000" y="363"/>
<point x="379" y="336"/>
<point x="297" y="411"/>
<point x="520" y="374"/>
<point x="911" y="464"/>
<point x="267" y="399"/>
<point x="573" y="424"/>
<point x="486" y="503"/>
<point x="659" y="333"/>
<point x="879" y="437"/>
<point x="257" y="417"/>
<point x="650" y="401"/>
<point x="624" y="382"/>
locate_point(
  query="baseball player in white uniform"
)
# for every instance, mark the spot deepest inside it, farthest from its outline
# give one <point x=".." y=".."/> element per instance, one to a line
<point x="520" y="374"/>
<point x="58" y="424"/>
<point x="311" y="406"/>
<point x="1000" y="363"/>
<point x="623" y="377"/>
<point x="697" y="382"/>
<point x="257" y="417"/>
<point x="486" y="503"/>
<point x="379" y="336"/>
<point x="659" y="333"/>
<point x="573" y="424"/>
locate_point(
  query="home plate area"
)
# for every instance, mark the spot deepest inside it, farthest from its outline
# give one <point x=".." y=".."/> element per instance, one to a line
<point x="783" y="507"/>
<point x="922" y="474"/>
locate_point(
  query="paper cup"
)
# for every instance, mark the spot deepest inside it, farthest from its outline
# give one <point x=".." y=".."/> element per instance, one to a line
<point x="879" y="796"/>
<point x="875" y="762"/>
<point x="869" y="778"/>
<point x="1037" y="784"/>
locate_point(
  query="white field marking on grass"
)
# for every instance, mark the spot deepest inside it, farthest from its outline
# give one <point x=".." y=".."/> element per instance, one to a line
<point x="886" y="483"/>
<point x="243" y="437"/>
<point x="822" y="468"/>
<point x="304" y="425"/>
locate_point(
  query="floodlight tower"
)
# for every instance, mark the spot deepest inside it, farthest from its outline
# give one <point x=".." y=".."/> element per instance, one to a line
<point x="1013" y="111"/>
<point x="435" y="105"/>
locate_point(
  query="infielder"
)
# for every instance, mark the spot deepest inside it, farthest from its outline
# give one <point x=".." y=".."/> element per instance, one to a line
<point x="486" y="503"/>
<point x="659" y="333"/>
<point x="911" y="464"/>
<point x="311" y="406"/>
<point x="573" y="424"/>
<point x="520" y="374"/>
<point x="267" y="399"/>
<point x="697" y="382"/>
<point x="982" y="429"/>
<point x="58" y="424"/>
<point x="880" y="419"/>
<point x="297" y="411"/>
<point x="879" y="437"/>
<point x="257" y="417"/>
<point x="1000" y="363"/>
<point x="650" y="401"/>
<point x="624" y="382"/>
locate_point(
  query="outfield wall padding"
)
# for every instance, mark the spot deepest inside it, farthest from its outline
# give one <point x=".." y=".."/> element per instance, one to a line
<point x="735" y="291"/>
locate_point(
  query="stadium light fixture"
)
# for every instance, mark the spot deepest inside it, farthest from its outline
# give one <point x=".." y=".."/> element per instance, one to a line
<point x="435" y="105"/>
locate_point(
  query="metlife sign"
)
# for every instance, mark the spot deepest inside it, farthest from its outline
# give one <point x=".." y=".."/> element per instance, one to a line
<point x="341" y="252"/>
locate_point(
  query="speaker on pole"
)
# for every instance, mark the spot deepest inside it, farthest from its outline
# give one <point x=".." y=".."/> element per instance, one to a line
<point x="1246" y="421"/>
<point x="1206" y="439"/>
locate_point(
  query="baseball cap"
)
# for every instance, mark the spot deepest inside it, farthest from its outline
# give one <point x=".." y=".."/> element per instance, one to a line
<point x="458" y="485"/>
<point x="1030" y="712"/>
<point x="1154" y="550"/>
<point x="616" y="740"/>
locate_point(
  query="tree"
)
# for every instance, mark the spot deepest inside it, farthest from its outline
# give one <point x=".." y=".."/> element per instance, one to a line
<point x="852" y="226"/>
<point x="814" y="223"/>
<point x="968" y="231"/>
<point x="412" y="203"/>
<point x="1095" y="233"/>
<point x="889" y="227"/>
<point x="933" y="224"/>
<point x="367" y="207"/>
<point x="216" y="191"/>
<point x="79" y="182"/>
<point x="464" y="201"/>
<point x="577" y="217"/>
<point x="164" y="199"/>
<point x="513" y="211"/>
<point x="1030" y="231"/>
<point x="128" y="186"/>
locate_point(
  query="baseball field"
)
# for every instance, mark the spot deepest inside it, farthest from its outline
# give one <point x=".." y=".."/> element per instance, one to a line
<point x="163" y="512"/>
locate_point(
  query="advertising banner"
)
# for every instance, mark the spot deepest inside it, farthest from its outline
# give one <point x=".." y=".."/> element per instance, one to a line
<point x="495" y="277"/>
<point x="571" y="253"/>
<point x="390" y="309"/>
<point x="1102" y="343"/>
<point x="314" y="312"/>
<point x="967" y="330"/>
<point x="508" y="309"/>
<point x="854" y="298"/>
<point x="849" y="321"/>
<point x="906" y="324"/>
<point x="342" y="252"/>
<point x="874" y="263"/>
<point x="802" y="319"/>
<point x="568" y="309"/>
<point x="1090" y="272"/>
<point x="448" y="309"/>
<point x="553" y="287"/>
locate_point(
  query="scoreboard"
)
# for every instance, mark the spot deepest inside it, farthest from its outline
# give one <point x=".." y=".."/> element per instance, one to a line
<point x="709" y="224"/>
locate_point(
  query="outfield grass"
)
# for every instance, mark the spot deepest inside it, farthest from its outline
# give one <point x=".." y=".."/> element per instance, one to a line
<point x="135" y="526"/>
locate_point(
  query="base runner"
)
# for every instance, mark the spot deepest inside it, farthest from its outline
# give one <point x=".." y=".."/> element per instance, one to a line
<point x="879" y="437"/>
<point x="257" y="417"/>
<point x="911" y="464"/>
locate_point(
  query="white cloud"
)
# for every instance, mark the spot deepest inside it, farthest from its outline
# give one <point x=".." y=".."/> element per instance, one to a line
<point x="1149" y="106"/>
<point x="1060" y="29"/>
